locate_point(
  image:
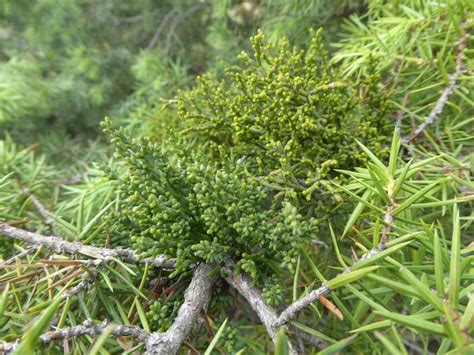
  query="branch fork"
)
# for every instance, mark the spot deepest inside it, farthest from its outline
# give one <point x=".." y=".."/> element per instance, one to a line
<point x="196" y="298"/>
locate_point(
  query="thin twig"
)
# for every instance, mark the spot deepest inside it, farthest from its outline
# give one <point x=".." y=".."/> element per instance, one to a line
<point x="62" y="246"/>
<point x="74" y="180"/>
<point x="42" y="210"/>
<point x="85" y="283"/>
<point x="89" y="328"/>
<point x="291" y="311"/>
<point x="196" y="299"/>
<point x="443" y="99"/>
<point x="29" y="250"/>
<point x="175" y="18"/>
<point x="157" y="34"/>
<point x="86" y="328"/>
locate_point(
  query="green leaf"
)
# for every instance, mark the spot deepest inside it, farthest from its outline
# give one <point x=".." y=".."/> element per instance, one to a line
<point x="400" y="180"/>
<point x="465" y="350"/>
<point x="467" y="318"/>
<point x="4" y="299"/>
<point x="398" y="339"/>
<point x="142" y="315"/>
<point x="455" y="267"/>
<point x="64" y="313"/>
<point x="402" y="288"/>
<point x="444" y="203"/>
<point x="91" y="223"/>
<point x="389" y="346"/>
<point x="408" y="321"/>
<point x="336" y="247"/>
<point x="281" y="344"/>
<point x="417" y="166"/>
<point x="313" y="267"/>
<point x="373" y="326"/>
<point x="413" y="198"/>
<point x="337" y="347"/>
<point x="376" y="170"/>
<point x="107" y="280"/>
<point x="357" y="212"/>
<point x="392" y="165"/>
<point x="379" y="187"/>
<point x="127" y="282"/>
<point x="295" y="280"/>
<point x="452" y="329"/>
<point x="214" y="341"/>
<point x="312" y="331"/>
<point x="380" y="256"/>
<point x="438" y="264"/>
<point x="360" y="199"/>
<point x="372" y="156"/>
<point x="365" y="298"/>
<point x="425" y="292"/>
<point x="31" y="338"/>
<point x="352" y="276"/>
<point x="101" y="340"/>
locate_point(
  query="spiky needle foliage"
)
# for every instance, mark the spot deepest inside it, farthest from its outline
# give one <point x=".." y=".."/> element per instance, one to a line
<point x="395" y="278"/>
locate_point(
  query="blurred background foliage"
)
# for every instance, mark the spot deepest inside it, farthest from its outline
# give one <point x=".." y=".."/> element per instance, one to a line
<point x="98" y="58"/>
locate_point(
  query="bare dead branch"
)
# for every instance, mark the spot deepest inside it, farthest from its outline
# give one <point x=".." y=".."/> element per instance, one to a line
<point x="86" y="328"/>
<point x="62" y="246"/>
<point x="244" y="285"/>
<point x="196" y="298"/>
<point x="89" y="328"/>
<point x="443" y="99"/>
<point x="8" y="348"/>
<point x="29" y="250"/>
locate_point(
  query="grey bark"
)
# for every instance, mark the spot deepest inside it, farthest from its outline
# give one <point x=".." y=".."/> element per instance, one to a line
<point x="196" y="299"/>
<point x="62" y="246"/>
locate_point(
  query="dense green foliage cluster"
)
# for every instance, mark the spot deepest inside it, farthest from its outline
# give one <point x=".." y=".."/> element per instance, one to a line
<point x="336" y="159"/>
<point x="173" y="203"/>
<point x="289" y="114"/>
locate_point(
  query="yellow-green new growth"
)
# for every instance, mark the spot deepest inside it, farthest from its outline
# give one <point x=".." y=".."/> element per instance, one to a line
<point x="290" y="113"/>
